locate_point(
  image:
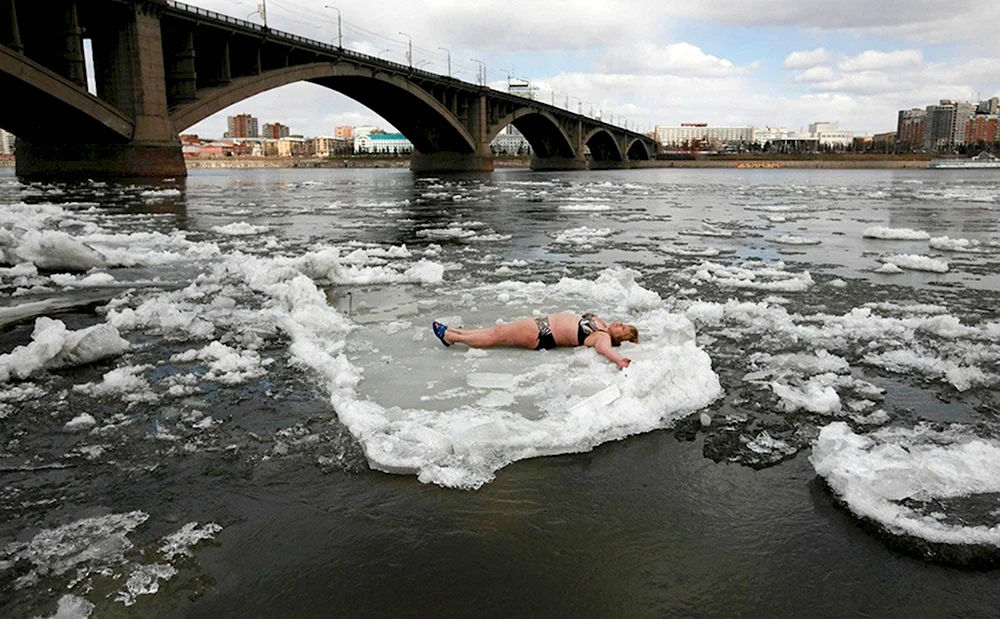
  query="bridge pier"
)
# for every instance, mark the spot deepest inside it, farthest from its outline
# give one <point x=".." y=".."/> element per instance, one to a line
<point x="131" y="77"/>
<point x="451" y="162"/>
<point x="608" y="164"/>
<point x="131" y="160"/>
<point x="554" y="164"/>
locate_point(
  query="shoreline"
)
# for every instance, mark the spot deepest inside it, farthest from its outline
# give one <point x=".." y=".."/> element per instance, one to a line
<point x="524" y="162"/>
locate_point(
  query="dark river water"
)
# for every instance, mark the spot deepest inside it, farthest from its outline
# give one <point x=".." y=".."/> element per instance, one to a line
<point x="221" y="396"/>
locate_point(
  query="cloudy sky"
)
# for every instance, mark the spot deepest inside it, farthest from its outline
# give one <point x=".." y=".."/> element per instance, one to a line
<point x="725" y="62"/>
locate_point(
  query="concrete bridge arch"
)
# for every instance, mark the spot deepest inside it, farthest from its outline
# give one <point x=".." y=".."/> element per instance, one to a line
<point x="421" y="118"/>
<point x="541" y="129"/>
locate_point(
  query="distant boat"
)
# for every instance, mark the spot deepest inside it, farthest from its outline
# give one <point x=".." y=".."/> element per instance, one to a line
<point x="981" y="161"/>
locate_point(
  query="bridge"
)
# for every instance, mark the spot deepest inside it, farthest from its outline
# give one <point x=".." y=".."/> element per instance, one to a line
<point x="161" y="66"/>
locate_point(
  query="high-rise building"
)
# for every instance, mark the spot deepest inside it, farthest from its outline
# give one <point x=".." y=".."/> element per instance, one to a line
<point x="910" y="128"/>
<point x="276" y="131"/>
<point x="964" y="110"/>
<point x="345" y="132"/>
<point x="989" y="106"/>
<point x="946" y="123"/>
<point x="982" y="128"/>
<point x="242" y="126"/>
<point x="939" y="126"/>
<point x="6" y="143"/>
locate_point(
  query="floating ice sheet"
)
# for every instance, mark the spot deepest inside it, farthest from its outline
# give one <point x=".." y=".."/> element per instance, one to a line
<point x="895" y="234"/>
<point x="903" y="479"/>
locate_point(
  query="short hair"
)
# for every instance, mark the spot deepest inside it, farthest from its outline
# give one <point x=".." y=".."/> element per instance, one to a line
<point x="631" y="335"/>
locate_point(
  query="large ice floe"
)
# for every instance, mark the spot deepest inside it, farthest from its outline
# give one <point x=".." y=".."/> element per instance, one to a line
<point x="481" y="410"/>
<point x="936" y="489"/>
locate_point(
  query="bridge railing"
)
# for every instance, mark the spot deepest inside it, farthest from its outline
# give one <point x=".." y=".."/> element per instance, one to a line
<point x="263" y="30"/>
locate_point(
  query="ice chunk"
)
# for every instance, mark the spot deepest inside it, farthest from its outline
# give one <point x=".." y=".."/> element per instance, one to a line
<point x="490" y="380"/>
<point x="73" y="607"/>
<point x="57" y="251"/>
<point x="595" y="403"/>
<point x="895" y="234"/>
<point x="705" y="420"/>
<point x="582" y="236"/>
<point x="240" y="228"/>
<point x="179" y="543"/>
<point x="756" y="275"/>
<point x="791" y="239"/>
<point x="144" y="580"/>
<point x="815" y="396"/>
<point x="918" y="263"/>
<point x="89" y="544"/>
<point x="944" y="243"/>
<point x="54" y="346"/>
<point x="81" y="422"/>
<point x="889" y="269"/>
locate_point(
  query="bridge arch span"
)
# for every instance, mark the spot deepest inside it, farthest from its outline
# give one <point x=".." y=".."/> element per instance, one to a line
<point x="422" y="119"/>
<point x="638" y="151"/>
<point x="545" y="134"/>
<point x="603" y="146"/>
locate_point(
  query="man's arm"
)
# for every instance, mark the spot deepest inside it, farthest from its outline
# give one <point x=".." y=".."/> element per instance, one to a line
<point x="601" y="342"/>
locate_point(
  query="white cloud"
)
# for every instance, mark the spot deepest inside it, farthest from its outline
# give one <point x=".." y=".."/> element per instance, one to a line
<point x="881" y="61"/>
<point x="644" y="57"/>
<point x="806" y="60"/>
<point x="914" y="17"/>
<point x="817" y="74"/>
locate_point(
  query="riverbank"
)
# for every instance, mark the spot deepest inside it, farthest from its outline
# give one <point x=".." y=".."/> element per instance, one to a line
<point x="831" y="162"/>
<point x="332" y="162"/>
<point x="811" y="164"/>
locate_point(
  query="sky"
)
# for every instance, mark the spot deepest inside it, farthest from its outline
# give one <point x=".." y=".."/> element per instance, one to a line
<point x="778" y="63"/>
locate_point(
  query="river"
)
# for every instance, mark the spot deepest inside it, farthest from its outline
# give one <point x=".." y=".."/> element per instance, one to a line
<point x="221" y="396"/>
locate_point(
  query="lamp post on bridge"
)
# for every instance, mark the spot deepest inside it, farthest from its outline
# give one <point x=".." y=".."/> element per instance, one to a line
<point x="262" y="10"/>
<point x="482" y="71"/>
<point x="379" y="55"/>
<point x="449" y="59"/>
<point x="340" y="32"/>
<point x="409" y="54"/>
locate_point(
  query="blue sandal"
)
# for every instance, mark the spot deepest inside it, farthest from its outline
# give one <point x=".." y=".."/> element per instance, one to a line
<point x="439" y="330"/>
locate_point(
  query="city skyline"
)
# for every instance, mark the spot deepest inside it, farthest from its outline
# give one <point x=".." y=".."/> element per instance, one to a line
<point x="760" y="63"/>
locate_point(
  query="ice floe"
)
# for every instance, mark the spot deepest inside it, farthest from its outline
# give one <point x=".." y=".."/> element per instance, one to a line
<point x="915" y="481"/>
<point x="791" y="239"/>
<point x="752" y="274"/>
<point x="944" y="243"/>
<point x="239" y="228"/>
<point x="914" y="262"/>
<point x="895" y="234"/>
<point x="583" y="236"/>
